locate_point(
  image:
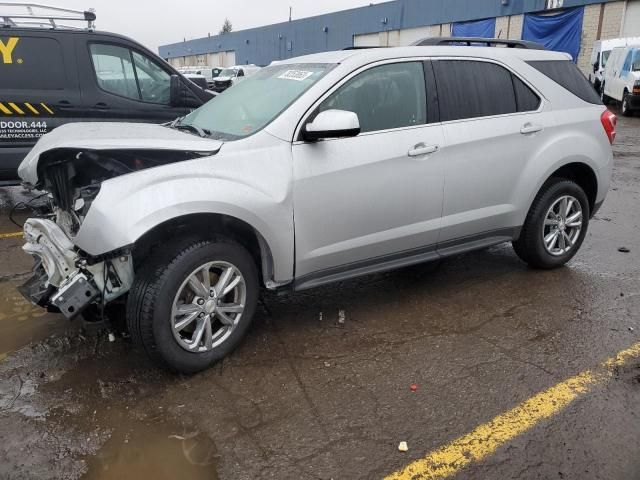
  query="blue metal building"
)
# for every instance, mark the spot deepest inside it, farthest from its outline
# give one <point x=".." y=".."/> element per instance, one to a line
<point x="337" y="30"/>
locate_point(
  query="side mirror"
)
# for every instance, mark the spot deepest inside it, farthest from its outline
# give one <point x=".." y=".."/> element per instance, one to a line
<point x="595" y="67"/>
<point x="332" y="124"/>
<point x="177" y="92"/>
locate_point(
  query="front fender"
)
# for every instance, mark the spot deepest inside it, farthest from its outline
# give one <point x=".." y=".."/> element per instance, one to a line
<point x="129" y="206"/>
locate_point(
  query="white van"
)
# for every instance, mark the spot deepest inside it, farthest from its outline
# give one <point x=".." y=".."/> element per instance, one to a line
<point x="600" y="55"/>
<point x="232" y="75"/>
<point x="621" y="79"/>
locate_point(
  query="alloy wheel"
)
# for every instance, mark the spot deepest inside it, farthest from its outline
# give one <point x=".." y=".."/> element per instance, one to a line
<point x="562" y="225"/>
<point x="208" y="306"/>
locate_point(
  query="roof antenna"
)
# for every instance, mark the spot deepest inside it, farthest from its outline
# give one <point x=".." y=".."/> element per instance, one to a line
<point x="290" y="9"/>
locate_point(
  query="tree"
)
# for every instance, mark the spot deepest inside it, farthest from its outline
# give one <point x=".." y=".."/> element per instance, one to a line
<point x="226" y="27"/>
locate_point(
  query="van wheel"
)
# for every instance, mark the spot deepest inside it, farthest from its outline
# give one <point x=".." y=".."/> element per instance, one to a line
<point x="604" y="97"/>
<point x="626" y="111"/>
<point x="555" y="226"/>
<point x="192" y="303"/>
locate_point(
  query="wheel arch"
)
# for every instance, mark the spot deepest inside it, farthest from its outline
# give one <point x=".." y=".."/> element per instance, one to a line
<point x="583" y="175"/>
<point x="207" y="225"/>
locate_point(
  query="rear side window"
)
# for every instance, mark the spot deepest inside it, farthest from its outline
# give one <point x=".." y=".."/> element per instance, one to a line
<point x="31" y="63"/>
<point x="566" y="74"/>
<point x="526" y="99"/>
<point x="471" y="89"/>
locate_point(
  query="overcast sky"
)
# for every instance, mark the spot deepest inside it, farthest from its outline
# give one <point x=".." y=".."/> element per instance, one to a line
<point x="158" y="22"/>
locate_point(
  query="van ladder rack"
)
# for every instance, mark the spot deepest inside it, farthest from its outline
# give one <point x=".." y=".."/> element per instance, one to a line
<point x="39" y="15"/>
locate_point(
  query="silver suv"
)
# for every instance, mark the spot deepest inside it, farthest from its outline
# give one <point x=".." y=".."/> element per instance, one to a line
<point x="314" y="170"/>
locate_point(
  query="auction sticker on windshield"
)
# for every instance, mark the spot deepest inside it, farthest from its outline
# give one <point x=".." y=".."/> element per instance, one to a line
<point x="298" y="75"/>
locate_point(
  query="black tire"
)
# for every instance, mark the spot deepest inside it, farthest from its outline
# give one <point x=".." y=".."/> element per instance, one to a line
<point x="605" y="98"/>
<point x="155" y="287"/>
<point x="624" y="105"/>
<point x="530" y="246"/>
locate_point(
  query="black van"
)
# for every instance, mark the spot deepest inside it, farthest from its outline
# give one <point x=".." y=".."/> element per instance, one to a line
<point x="52" y="76"/>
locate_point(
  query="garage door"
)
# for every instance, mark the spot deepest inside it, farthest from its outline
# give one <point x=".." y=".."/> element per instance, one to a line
<point x="366" y="40"/>
<point x="631" y="26"/>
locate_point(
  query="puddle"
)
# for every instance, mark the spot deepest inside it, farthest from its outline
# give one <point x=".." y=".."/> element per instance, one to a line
<point x="155" y="450"/>
<point x="22" y="323"/>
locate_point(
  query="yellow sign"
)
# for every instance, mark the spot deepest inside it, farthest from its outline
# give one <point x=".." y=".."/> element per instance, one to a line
<point x="6" y="50"/>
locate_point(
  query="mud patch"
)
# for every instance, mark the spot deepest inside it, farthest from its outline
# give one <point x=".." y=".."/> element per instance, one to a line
<point x="22" y="323"/>
<point x="153" y="449"/>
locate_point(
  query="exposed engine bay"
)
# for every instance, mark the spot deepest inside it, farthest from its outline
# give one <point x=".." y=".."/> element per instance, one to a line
<point x="65" y="278"/>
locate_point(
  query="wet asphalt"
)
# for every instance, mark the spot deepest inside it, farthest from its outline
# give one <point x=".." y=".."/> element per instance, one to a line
<point x="320" y="388"/>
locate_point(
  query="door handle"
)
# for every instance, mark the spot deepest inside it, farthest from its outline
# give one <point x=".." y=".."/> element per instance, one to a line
<point x="422" y="149"/>
<point x="64" y="104"/>
<point x="529" y="128"/>
<point x="101" y="106"/>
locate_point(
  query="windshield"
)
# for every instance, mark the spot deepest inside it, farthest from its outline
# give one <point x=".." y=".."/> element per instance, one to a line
<point x="636" y="61"/>
<point x="244" y="109"/>
<point x="228" y="72"/>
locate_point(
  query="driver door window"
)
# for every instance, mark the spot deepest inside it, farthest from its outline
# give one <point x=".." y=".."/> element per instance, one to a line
<point x="154" y="81"/>
<point x="384" y="97"/>
<point x="130" y="74"/>
<point x="114" y="70"/>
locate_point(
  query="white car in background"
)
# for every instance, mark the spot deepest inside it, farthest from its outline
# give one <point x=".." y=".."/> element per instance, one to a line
<point x="600" y="54"/>
<point x="621" y="80"/>
<point x="232" y="75"/>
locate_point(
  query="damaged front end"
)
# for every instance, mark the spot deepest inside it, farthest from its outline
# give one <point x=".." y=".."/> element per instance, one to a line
<point x="65" y="278"/>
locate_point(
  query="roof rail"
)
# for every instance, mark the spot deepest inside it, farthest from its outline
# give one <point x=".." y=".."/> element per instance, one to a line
<point x="363" y="47"/>
<point x="37" y="15"/>
<point x="488" y="42"/>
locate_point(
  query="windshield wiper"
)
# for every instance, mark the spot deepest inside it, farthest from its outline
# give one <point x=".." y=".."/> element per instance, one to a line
<point x="203" y="132"/>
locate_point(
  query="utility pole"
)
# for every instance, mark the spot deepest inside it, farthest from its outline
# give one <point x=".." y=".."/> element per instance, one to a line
<point x="290" y="8"/>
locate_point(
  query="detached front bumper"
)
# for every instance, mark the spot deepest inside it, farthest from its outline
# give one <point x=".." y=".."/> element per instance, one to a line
<point x="65" y="281"/>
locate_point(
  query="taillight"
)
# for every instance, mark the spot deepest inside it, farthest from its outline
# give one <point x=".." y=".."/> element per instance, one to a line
<point x="609" y="122"/>
<point x="636" y="88"/>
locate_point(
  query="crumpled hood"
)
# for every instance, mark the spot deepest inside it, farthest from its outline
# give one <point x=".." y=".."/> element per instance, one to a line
<point x="113" y="136"/>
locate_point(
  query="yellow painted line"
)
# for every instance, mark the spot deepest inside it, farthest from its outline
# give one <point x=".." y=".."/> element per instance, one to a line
<point x="11" y="235"/>
<point x="484" y="440"/>
<point x="5" y="110"/>
<point x="16" y="108"/>
<point x="30" y="107"/>
<point x="47" y="108"/>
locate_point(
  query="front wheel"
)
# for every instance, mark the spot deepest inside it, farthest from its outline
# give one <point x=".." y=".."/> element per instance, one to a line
<point x="192" y="303"/>
<point x="555" y="226"/>
<point x="603" y="96"/>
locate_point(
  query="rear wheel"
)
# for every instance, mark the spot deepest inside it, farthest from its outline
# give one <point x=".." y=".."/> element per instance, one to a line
<point x="193" y="302"/>
<point x="626" y="111"/>
<point x="555" y="226"/>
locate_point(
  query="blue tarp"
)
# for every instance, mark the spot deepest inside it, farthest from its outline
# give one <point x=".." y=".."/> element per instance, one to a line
<point x="561" y="32"/>
<point x="478" y="28"/>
